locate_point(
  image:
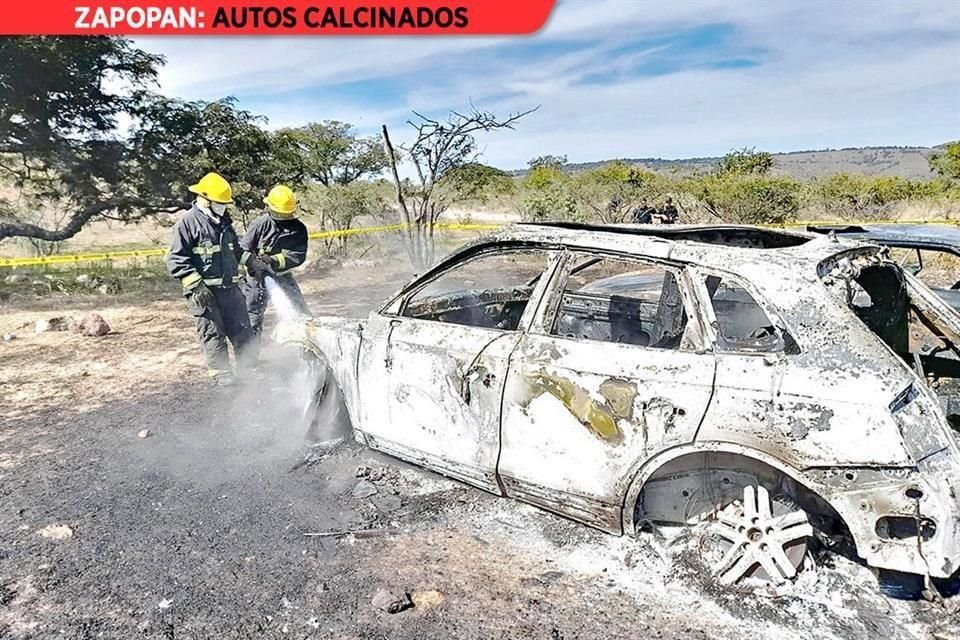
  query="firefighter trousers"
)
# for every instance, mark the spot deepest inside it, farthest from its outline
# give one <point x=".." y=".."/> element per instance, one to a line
<point x="225" y="319"/>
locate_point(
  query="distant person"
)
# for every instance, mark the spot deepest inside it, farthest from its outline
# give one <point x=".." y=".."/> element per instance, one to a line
<point x="274" y="245"/>
<point x="205" y="255"/>
<point x="641" y="215"/>
<point x="669" y="213"/>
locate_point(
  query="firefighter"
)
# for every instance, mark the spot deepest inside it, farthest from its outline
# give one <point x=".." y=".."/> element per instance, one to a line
<point x="205" y="256"/>
<point x="274" y="245"/>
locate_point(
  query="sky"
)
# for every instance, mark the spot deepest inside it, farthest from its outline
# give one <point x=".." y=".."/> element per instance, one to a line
<point x="619" y="78"/>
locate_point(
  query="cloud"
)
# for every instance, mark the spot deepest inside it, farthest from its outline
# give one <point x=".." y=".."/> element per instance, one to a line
<point x="618" y="78"/>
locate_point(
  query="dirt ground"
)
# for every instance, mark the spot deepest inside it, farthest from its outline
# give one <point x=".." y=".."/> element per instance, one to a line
<point x="198" y="530"/>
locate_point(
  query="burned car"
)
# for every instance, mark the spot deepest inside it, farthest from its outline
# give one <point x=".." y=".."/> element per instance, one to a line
<point x="762" y="384"/>
<point x="929" y="251"/>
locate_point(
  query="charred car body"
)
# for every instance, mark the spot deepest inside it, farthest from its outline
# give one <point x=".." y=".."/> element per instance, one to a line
<point x="913" y="242"/>
<point x="764" y="383"/>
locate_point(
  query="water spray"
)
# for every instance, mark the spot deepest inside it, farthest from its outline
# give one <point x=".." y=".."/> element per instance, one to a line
<point x="284" y="307"/>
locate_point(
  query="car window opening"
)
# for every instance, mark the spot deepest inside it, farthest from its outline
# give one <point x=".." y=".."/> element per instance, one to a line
<point x="489" y="291"/>
<point x="880" y="297"/>
<point x="623" y="301"/>
<point x="742" y="324"/>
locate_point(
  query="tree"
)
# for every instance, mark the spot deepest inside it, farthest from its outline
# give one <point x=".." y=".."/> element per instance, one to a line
<point x="849" y="195"/>
<point x="438" y="154"/>
<point x="67" y="162"/>
<point x="548" y="193"/>
<point x="60" y="149"/>
<point x="746" y="161"/>
<point x="613" y="191"/>
<point x="843" y="194"/>
<point x="329" y="152"/>
<point x="474" y="181"/>
<point x="176" y="142"/>
<point x="745" y="198"/>
<point x="947" y="163"/>
<point x="556" y="163"/>
<point x="339" y="205"/>
<point x="550" y="203"/>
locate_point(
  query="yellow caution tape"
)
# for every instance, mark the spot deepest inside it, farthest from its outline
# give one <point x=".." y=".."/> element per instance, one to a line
<point x="152" y="253"/>
<point x="81" y="257"/>
<point x="340" y="233"/>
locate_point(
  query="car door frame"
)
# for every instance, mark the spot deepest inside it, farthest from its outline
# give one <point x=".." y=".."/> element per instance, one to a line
<point x="748" y="382"/>
<point x="482" y="378"/>
<point x="602" y="512"/>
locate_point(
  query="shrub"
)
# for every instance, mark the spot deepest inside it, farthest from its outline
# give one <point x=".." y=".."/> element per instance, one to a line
<point x="747" y="198"/>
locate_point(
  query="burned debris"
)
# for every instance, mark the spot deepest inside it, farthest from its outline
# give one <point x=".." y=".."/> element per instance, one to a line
<point x="767" y="388"/>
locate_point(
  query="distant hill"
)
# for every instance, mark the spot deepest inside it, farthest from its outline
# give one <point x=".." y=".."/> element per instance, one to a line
<point x="905" y="162"/>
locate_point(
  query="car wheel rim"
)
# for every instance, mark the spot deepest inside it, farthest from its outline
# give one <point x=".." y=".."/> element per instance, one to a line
<point x="756" y="542"/>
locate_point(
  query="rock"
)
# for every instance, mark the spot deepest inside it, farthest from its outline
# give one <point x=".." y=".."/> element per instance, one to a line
<point x="83" y="278"/>
<point x="364" y="489"/>
<point x="93" y="325"/>
<point x="391" y="603"/>
<point x="427" y="599"/>
<point x="373" y="474"/>
<point x="58" y="323"/>
<point x="15" y="278"/>
<point x="164" y="604"/>
<point x="109" y="288"/>
<point x="56" y="532"/>
<point x="546" y="578"/>
<point x="7" y="337"/>
<point x="386" y="502"/>
<point x="550" y="577"/>
<point x="144" y="434"/>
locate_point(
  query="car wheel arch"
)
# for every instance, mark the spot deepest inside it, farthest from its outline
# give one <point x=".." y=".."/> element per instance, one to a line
<point x="751" y="459"/>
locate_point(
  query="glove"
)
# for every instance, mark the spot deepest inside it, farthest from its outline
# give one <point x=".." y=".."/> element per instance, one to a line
<point x="273" y="262"/>
<point x="258" y="266"/>
<point x="202" y="295"/>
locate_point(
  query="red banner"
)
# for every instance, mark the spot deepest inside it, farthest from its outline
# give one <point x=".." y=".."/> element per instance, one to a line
<point x="245" y="17"/>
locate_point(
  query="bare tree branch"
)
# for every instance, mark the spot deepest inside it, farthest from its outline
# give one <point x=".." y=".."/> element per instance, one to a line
<point x="82" y="216"/>
<point x="438" y="148"/>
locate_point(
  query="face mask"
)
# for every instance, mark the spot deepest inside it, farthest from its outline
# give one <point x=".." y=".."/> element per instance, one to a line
<point x="218" y="209"/>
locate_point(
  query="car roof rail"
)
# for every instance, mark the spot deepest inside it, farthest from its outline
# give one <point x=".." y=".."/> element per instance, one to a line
<point x="720" y="234"/>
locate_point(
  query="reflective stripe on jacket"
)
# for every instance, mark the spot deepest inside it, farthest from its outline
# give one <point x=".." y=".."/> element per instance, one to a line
<point x="285" y="239"/>
<point x="203" y="249"/>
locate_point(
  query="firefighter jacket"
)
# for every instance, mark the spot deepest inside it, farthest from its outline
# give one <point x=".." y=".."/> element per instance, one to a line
<point x="286" y="240"/>
<point x="204" y="249"/>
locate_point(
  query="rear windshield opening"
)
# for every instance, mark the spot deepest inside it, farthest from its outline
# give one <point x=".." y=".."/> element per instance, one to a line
<point x="880" y="296"/>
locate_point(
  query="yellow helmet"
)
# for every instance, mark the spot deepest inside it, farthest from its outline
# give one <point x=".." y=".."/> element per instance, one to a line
<point x="214" y="188"/>
<point x="281" y="201"/>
